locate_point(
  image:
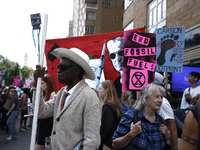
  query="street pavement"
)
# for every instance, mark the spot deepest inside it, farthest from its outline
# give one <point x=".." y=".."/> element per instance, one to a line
<point x="21" y="143"/>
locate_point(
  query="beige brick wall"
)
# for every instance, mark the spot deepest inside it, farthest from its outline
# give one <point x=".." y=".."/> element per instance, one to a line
<point x="136" y="12"/>
<point x="105" y="18"/>
<point x="183" y="13"/>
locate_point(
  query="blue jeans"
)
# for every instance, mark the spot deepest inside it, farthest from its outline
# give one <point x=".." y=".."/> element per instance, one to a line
<point x="30" y="121"/>
<point x="11" y="124"/>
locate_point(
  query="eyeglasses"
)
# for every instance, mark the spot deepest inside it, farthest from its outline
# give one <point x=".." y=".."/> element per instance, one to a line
<point x="62" y="67"/>
<point x="113" y="55"/>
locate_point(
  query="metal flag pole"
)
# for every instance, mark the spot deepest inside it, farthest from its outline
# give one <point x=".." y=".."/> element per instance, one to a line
<point x="39" y="81"/>
<point x="99" y="68"/>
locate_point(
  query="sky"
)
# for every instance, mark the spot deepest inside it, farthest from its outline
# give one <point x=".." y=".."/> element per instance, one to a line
<point x="16" y="30"/>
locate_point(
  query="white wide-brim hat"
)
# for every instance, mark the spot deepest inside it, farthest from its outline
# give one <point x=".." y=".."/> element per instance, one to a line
<point x="77" y="56"/>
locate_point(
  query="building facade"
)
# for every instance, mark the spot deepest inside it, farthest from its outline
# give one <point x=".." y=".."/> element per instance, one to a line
<point x="167" y="13"/>
<point x="97" y="16"/>
<point x="70" y="33"/>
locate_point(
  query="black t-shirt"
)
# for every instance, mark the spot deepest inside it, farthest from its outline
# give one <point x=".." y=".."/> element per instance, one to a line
<point x="109" y="122"/>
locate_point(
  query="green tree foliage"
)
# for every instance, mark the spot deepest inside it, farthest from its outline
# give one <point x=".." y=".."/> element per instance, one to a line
<point x="26" y="71"/>
<point x="13" y="69"/>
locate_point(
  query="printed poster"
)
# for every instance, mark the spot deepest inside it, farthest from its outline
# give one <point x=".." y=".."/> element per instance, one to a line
<point x="139" y="60"/>
<point x="170" y="49"/>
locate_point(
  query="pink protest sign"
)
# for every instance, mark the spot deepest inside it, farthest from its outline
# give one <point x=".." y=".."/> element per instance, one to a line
<point x="139" y="60"/>
<point x="16" y="81"/>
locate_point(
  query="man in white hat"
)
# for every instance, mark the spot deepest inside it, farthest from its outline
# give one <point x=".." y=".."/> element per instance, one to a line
<point x="167" y="113"/>
<point x="77" y="117"/>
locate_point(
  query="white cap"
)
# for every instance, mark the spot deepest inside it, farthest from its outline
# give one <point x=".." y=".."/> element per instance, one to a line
<point x="159" y="79"/>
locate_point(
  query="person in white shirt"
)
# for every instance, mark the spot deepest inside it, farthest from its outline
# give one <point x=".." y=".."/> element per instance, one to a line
<point x="167" y="113"/>
<point x="192" y="91"/>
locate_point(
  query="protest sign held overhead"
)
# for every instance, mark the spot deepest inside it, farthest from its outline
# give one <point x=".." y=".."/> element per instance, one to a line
<point x="36" y="21"/>
<point x="16" y="81"/>
<point x="139" y="60"/>
<point x="170" y="43"/>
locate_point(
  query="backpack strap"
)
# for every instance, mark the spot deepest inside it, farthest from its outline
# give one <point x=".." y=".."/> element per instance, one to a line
<point x="198" y="108"/>
<point x="188" y="100"/>
<point x="160" y="119"/>
<point x="135" y="119"/>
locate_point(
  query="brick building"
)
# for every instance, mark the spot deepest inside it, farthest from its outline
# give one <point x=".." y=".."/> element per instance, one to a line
<point x="97" y="16"/>
<point x="168" y="13"/>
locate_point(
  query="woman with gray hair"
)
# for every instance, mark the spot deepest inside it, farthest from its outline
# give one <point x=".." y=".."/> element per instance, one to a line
<point x="150" y="132"/>
<point x="146" y="92"/>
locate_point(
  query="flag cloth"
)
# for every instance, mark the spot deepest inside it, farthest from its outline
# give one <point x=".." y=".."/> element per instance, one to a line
<point x="90" y="44"/>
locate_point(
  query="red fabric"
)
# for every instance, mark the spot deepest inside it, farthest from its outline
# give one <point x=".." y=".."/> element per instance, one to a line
<point x="90" y="44"/>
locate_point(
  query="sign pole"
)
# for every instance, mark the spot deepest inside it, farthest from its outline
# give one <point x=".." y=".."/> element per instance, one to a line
<point x="166" y="79"/>
<point x="39" y="81"/>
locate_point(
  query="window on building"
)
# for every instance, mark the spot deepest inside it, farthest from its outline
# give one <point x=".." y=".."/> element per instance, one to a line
<point x="89" y="30"/>
<point x="116" y="17"/>
<point x="127" y="3"/>
<point x="90" y="15"/>
<point x="192" y="38"/>
<point x="106" y="3"/>
<point x="130" y="26"/>
<point x="156" y="15"/>
<point x="91" y="6"/>
<point x="116" y="4"/>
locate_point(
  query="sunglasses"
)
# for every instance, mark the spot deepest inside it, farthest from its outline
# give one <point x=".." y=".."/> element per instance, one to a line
<point x="62" y="67"/>
<point x="113" y="55"/>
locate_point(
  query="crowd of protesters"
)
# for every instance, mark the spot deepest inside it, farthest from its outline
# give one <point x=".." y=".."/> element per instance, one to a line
<point x="13" y="105"/>
<point x="78" y="116"/>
